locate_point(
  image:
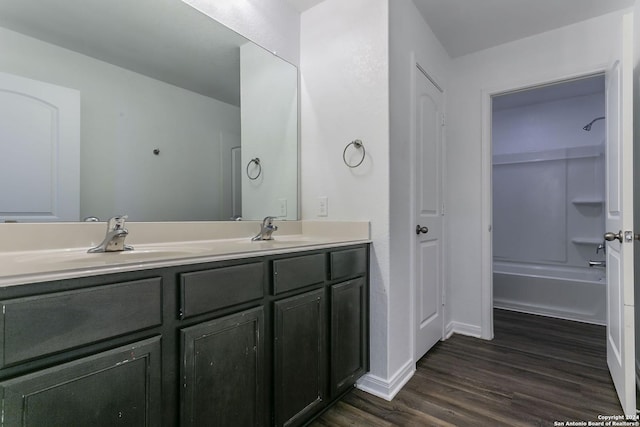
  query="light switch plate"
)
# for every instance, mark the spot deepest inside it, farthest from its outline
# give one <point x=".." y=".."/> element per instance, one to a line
<point x="323" y="206"/>
<point x="283" y="207"/>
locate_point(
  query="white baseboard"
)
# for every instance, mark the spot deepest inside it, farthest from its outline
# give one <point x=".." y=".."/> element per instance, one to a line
<point x="463" y="329"/>
<point x="387" y="389"/>
<point x="448" y="331"/>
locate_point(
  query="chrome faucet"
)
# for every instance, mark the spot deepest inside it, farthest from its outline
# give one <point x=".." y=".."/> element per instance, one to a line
<point x="114" y="240"/>
<point x="266" y="229"/>
<point x="601" y="247"/>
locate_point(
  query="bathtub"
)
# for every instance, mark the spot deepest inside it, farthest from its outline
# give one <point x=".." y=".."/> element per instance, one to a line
<point x="565" y="292"/>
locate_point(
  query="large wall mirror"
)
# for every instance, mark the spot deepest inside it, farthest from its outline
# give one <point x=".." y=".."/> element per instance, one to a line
<point x="147" y="108"/>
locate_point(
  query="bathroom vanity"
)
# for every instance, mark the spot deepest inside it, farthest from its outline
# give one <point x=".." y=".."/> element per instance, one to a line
<point x="267" y="338"/>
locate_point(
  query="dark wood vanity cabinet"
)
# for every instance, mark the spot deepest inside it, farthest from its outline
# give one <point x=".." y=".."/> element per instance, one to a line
<point x="223" y="371"/>
<point x="300" y="362"/>
<point x="321" y="332"/>
<point x="349" y="323"/>
<point x="270" y="340"/>
<point x="349" y="342"/>
<point x="111" y="388"/>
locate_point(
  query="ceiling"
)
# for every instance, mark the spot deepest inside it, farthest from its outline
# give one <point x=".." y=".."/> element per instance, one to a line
<point x="466" y="26"/>
<point x="549" y="93"/>
<point x="172" y="35"/>
<point x="302" y="5"/>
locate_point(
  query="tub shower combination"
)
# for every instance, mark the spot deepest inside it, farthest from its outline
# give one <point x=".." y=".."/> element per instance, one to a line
<point x="548" y="224"/>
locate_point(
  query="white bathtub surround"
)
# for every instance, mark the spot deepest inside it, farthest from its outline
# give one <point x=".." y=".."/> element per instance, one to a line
<point x="558" y="291"/>
<point x="42" y="252"/>
<point x="548" y="175"/>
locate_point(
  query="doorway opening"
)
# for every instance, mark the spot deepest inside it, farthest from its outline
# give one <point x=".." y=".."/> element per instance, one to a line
<point x="548" y="194"/>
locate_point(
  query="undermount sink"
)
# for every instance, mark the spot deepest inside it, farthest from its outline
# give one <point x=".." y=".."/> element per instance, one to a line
<point x="105" y="258"/>
<point x="275" y="242"/>
<point x="58" y="260"/>
<point x="267" y="242"/>
<point x="140" y="255"/>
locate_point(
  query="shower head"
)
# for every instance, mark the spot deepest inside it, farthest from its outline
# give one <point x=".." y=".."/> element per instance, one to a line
<point x="588" y="125"/>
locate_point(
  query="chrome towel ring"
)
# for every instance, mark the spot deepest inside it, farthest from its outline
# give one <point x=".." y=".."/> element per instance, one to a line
<point x="257" y="166"/>
<point x="358" y="145"/>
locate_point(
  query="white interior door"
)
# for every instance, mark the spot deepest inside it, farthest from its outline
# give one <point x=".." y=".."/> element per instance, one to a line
<point x="236" y="181"/>
<point x="619" y="222"/>
<point x="230" y="170"/>
<point x="428" y="205"/>
<point x="40" y="146"/>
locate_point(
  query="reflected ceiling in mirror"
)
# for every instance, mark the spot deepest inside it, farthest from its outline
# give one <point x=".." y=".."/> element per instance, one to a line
<point x="168" y="125"/>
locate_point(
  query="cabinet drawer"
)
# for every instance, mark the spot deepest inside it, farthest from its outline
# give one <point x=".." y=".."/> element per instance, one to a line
<point x="347" y="263"/>
<point x="35" y="326"/>
<point x="209" y="290"/>
<point x="298" y="272"/>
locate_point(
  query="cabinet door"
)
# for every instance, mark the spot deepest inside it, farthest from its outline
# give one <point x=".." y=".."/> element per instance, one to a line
<point x="349" y="344"/>
<point x="223" y="371"/>
<point x="113" y="388"/>
<point x="300" y="357"/>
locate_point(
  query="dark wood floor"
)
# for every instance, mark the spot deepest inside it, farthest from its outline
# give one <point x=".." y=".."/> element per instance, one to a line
<point x="535" y="371"/>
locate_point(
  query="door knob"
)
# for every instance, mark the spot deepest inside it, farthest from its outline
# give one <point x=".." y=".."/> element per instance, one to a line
<point x="610" y="237"/>
<point x="419" y="229"/>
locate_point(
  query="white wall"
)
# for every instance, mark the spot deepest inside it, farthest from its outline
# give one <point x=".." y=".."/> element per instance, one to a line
<point x="269" y="122"/>
<point x="354" y="87"/>
<point x="273" y="24"/>
<point x="410" y="41"/>
<point x="124" y="116"/>
<point x="344" y="96"/>
<point x="572" y="50"/>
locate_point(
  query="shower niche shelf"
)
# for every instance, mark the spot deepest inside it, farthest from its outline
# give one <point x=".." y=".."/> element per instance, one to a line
<point x="588" y="202"/>
<point x="586" y="240"/>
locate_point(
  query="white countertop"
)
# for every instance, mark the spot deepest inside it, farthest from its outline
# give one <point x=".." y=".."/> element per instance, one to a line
<point x="55" y="261"/>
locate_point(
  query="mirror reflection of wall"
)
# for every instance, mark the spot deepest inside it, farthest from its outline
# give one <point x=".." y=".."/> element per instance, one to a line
<point x="157" y="94"/>
<point x="268" y="97"/>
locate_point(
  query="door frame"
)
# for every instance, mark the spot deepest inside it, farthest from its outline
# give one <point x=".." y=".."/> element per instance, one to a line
<point x="418" y="65"/>
<point x="486" y="277"/>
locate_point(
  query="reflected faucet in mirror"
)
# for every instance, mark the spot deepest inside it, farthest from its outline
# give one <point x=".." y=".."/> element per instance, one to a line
<point x="114" y="239"/>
